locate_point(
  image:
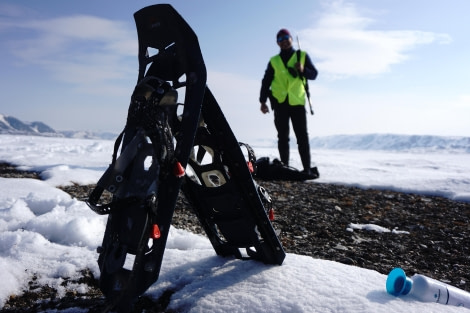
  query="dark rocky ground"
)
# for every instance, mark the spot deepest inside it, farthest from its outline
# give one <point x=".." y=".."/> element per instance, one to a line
<point x="314" y="220"/>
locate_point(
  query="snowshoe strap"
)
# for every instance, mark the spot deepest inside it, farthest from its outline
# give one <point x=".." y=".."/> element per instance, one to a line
<point x="251" y="156"/>
<point x="114" y="176"/>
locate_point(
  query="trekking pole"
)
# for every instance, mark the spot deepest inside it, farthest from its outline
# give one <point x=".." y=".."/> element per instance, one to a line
<point x="305" y="83"/>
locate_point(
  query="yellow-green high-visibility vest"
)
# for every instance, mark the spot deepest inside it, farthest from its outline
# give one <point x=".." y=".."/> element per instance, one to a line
<point x="284" y="85"/>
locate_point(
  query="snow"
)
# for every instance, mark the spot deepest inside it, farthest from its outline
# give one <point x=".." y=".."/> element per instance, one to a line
<point x="373" y="227"/>
<point x="46" y="233"/>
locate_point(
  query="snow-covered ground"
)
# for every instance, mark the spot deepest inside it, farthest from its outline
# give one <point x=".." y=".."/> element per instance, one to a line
<point x="43" y="231"/>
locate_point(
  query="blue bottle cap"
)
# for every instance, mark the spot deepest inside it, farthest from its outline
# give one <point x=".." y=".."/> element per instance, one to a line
<point x="397" y="282"/>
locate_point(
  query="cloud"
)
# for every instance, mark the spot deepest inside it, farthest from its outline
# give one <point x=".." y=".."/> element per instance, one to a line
<point x="81" y="50"/>
<point x="463" y="101"/>
<point x="114" y="36"/>
<point x="344" y="42"/>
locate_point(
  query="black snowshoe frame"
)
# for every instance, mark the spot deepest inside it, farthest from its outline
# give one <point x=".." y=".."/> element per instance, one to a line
<point x="161" y="152"/>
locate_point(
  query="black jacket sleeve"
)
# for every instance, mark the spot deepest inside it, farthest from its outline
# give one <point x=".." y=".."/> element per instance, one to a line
<point x="266" y="83"/>
<point x="310" y="72"/>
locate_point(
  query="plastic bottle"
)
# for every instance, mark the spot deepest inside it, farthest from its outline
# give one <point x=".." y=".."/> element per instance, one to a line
<point x="425" y="289"/>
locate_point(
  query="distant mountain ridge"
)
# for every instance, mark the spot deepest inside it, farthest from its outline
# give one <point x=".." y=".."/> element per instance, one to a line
<point x="382" y="142"/>
<point x="13" y="126"/>
<point x="393" y="142"/>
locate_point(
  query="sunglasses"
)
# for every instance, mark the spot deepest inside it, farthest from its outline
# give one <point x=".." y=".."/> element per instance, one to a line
<point x="282" y="38"/>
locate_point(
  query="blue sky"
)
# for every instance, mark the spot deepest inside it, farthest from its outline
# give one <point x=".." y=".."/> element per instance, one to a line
<point x="384" y="66"/>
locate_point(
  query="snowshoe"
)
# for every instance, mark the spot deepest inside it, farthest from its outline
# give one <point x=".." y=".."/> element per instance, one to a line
<point x="145" y="178"/>
<point x="232" y="208"/>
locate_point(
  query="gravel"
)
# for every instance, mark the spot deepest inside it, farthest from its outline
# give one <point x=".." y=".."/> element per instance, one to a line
<point x="368" y="228"/>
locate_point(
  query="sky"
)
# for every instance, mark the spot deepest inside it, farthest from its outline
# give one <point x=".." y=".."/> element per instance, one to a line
<point x="43" y="228"/>
<point x="386" y="66"/>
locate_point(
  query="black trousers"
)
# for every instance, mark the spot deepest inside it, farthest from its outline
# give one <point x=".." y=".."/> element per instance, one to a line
<point x="283" y="113"/>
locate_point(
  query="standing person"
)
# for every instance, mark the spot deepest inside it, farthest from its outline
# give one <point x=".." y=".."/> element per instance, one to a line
<point x="284" y="82"/>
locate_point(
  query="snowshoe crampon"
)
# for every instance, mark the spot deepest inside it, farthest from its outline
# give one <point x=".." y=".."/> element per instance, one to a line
<point x="150" y="164"/>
